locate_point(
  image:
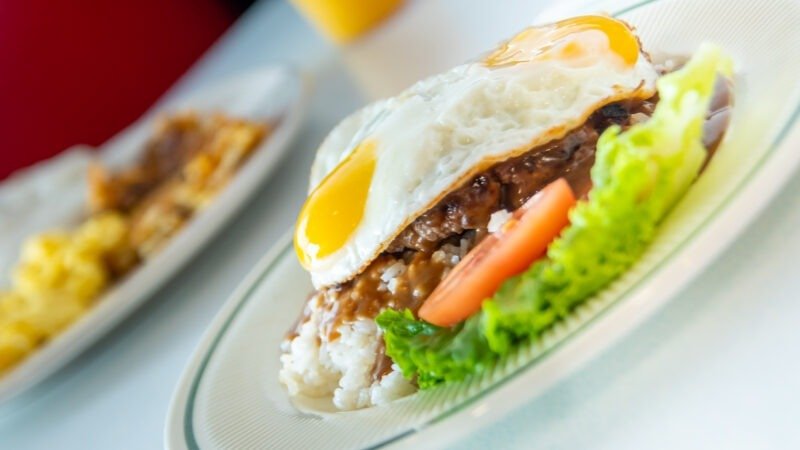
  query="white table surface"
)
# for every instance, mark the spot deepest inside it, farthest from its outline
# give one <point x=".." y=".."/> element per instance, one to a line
<point x="717" y="368"/>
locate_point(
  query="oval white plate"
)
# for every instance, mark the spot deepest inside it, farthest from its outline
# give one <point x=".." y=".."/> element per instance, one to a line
<point x="274" y="93"/>
<point x="229" y="396"/>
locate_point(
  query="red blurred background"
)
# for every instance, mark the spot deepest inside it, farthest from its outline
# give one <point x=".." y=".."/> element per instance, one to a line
<point x="76" y="72"/>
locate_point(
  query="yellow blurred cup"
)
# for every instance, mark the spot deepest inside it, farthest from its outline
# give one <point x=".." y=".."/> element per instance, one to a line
<point x="344" y="20"/>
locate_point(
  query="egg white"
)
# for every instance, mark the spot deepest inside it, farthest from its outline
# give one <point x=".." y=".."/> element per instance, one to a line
<point x="437" y="134"/>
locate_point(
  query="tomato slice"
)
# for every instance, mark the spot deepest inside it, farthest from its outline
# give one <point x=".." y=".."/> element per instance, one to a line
<point x="505" y="253"/>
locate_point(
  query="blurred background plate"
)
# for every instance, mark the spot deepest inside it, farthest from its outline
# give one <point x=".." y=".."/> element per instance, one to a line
<point x="229" y="396"/>
<point x="28" y="204"/>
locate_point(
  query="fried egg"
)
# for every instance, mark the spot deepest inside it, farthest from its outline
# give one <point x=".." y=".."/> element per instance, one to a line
<point x="388" y="163"/>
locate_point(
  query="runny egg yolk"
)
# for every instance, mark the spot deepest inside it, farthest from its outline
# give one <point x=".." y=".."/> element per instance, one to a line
<point x="334" y="209"/>
<point x="564" y="41"/>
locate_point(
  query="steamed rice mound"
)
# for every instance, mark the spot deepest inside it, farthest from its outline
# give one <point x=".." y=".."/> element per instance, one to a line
<point x="341" y="364"/>
<point x="341" y="368"/>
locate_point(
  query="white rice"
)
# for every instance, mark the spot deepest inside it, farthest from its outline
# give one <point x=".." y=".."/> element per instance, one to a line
<point x="341" y="368"/>
<point x="393" y="271"/>
<point x="497" y="220"/>
<point x="392" y="285"/>
<point x="389" y="276"/>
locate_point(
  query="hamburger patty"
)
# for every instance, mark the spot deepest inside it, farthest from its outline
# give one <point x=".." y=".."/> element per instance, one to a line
<point x="509" y="184"/>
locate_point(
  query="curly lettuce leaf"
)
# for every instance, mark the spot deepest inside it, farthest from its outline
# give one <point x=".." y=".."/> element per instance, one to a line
<point x="638" y="176"/>
<point x="434" y="354"/>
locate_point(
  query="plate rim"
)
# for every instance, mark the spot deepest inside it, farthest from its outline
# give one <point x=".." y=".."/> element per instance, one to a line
<point x="188" y="381"/>
<point x="762" y="182"/>
<point x="106" y="315"/>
